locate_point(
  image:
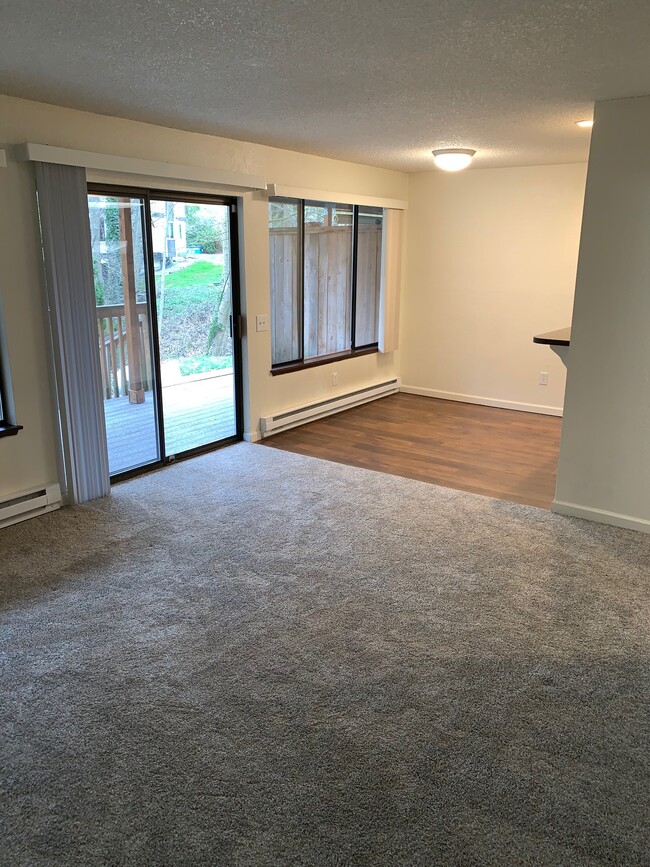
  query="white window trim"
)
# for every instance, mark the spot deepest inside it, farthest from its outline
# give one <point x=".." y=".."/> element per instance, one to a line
<point x="284" y="192"/>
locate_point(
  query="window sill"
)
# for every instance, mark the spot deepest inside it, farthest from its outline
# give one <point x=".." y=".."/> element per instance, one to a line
<point x="9" y="430"/>
<point x="293" y="366"/>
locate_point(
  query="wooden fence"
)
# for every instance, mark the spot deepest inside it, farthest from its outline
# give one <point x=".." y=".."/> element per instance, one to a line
<point x="327" y="289"/>
<point x="113" y="349"/>
<point x="368" y="282"/>
<point x="285" y="297"/>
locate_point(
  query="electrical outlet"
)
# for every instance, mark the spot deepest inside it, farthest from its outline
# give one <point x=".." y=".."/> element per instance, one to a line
<point x="335" y="378"/>
<point x="543" y="377"/>
<point x="262" y="323"/>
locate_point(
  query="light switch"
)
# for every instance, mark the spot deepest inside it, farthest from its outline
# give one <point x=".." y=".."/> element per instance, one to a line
<point x="262" y="323"/>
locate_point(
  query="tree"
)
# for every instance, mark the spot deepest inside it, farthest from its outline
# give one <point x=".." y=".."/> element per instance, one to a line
<point x="111" y="261"/>
<point x="169" y="222"/>
<point x="200" y="231"/>
<point x="218" y="334"/>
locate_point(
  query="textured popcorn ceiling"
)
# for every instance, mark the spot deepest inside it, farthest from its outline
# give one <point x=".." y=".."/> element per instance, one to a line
<point x="371" y="81"/>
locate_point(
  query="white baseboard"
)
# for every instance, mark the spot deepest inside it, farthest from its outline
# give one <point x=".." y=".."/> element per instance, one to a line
<point x="600" y="515"/>
<point x="483" y="401"/>
<point x="252" y="436"/>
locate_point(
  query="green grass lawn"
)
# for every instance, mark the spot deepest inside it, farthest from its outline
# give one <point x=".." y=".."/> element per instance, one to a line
<point x="191" y="286"/>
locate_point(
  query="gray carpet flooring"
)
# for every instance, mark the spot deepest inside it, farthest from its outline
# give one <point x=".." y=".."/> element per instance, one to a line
<point x="257" y="658"/>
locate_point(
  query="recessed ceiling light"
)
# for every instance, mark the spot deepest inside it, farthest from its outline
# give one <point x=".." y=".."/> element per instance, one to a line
<point x="453" y="159"/>
<point x="584" y="123"/>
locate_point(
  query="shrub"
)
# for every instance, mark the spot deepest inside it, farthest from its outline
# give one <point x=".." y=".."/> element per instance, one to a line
<point x="201" y="231"/>
<point x="204" y="364"/>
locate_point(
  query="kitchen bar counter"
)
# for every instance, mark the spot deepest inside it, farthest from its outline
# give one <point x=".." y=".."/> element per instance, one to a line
<point x="559" y="341"/>
<point x="561" y="337"/>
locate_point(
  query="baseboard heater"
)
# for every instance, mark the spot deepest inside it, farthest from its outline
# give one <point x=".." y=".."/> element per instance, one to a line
<point x="272" y="424"/>
<point x="28" y="504"/>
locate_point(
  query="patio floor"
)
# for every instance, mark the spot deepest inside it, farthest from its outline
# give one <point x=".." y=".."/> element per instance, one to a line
<point x="196" y="413"/>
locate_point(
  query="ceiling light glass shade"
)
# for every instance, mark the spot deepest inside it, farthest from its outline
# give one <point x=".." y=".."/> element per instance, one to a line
<point x="453" y="159"/>
<point x="584" y="123"/>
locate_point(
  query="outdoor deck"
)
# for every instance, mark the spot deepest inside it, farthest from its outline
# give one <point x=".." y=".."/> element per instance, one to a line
<point x="196" y="413"/>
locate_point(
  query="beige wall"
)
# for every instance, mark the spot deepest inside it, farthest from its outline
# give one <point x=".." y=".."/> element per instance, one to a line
<point x="491" y="259"/>
<point x="604" y="469"/>
<point x="29" y="459"/>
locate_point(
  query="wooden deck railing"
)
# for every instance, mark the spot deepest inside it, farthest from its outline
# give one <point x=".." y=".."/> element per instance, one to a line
<point x="113" y="348"/>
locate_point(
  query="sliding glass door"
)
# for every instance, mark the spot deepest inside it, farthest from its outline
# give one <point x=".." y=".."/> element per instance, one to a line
<point x="166" y="287"/>
<point x="124" y="334"/>
<point x="193" y="276"/>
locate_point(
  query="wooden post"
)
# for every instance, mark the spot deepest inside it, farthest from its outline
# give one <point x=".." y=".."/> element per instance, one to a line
<point x="136" y="386"/>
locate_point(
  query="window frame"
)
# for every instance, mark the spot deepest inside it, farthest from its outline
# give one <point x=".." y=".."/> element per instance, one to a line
<point x="7" y="426"/>
<point x="354" y="351"/>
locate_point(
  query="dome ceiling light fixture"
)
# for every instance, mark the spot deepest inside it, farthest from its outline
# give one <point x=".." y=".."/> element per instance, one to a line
<point x="453" y="159"/>
<point x="585" y="123"/>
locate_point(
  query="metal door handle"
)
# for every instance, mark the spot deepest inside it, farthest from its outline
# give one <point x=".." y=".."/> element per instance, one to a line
<point x="239" y="325"/>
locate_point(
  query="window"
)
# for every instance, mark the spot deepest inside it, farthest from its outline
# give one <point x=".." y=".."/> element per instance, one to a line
<point x="7" y="422"/>
<point x="325" y="270"/>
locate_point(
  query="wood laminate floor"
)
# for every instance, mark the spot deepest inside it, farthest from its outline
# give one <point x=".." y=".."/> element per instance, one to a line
<point x="495" y="452"/>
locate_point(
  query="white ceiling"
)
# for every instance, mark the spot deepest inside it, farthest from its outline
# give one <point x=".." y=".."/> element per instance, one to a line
<point x="374" y="81"/>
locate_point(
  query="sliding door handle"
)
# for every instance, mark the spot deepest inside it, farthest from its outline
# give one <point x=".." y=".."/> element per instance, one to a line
<point x="239" y="326"/>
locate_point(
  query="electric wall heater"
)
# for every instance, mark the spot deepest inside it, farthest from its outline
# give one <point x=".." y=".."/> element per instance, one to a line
<point x="272" y="424"/>
<point x="28" y="504"/>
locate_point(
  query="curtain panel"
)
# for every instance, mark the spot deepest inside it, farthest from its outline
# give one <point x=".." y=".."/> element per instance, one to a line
<point x="65" y="234"/>
<point x="389" y="291"/>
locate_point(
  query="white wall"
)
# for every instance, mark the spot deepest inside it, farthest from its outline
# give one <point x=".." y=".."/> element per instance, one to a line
<point x="491" y="259"/>
<point x="29" y="459"/>
<point x="604" y="469"/>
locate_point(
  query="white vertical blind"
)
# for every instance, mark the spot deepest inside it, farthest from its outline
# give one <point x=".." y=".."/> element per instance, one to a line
<point x="65" y="232"/>
<point x="389" y="291"/>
